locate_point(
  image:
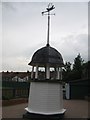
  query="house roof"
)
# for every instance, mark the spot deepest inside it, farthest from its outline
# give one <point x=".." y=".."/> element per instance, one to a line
<point x="13" y="74"/>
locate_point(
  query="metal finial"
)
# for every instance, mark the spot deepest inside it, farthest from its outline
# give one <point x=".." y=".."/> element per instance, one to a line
<point x="48" y="9"/>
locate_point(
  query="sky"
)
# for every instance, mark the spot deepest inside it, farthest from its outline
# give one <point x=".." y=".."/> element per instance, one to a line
<point x="24" y="30"/>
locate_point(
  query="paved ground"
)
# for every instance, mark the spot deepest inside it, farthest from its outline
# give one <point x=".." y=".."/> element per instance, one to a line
<point x="0" y="108"/>
<point x="74" y="109"/>
<point x="0" y="112"/>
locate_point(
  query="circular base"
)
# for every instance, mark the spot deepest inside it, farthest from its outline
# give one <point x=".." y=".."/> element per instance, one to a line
<point x="40" y="116"/>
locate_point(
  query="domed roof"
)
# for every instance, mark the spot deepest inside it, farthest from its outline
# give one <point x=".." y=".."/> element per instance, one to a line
<point x="47" y="55"/>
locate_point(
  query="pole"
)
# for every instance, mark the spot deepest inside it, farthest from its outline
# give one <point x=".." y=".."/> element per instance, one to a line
<point x="50" y="7"/>
<point x="48" y="28"/>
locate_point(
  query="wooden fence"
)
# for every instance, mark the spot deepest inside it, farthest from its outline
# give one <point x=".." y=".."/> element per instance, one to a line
<point x="12" y="89"/>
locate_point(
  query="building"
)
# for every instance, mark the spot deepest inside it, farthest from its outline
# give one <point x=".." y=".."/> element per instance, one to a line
<point x="15" y="84"/>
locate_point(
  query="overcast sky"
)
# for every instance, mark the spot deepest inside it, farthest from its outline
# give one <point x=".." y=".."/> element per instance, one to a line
<point x="24" y="30"/>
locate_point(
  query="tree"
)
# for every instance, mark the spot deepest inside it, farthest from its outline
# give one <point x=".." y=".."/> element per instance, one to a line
<point x="67" y="71"/>
<point x="67" y="67"/>
<point x="77" y="67"/>
<point x="76" y="71"/>
<point x="78" y="62"/>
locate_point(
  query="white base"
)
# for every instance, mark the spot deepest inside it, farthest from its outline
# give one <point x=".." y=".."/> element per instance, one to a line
<point x="45" y="98"/>
<point x="44" y="113"/>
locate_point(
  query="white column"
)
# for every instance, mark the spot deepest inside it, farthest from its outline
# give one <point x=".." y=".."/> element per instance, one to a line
<point x="47" y="72"/>
<point x="32" y="72"/>
<point x="55" y="73"/>
<point x="36" y="73"/>
<point x="58" y="73"/>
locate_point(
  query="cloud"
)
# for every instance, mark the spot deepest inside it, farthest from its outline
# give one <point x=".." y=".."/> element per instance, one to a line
<point x="15" y="64"/>
<point x="25" y="30"/>
<point x="8" y="5"/>
<point x="68" y="46"/>
<point x="73" y="44"/>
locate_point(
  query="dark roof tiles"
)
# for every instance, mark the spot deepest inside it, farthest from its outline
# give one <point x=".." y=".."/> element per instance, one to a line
<point x="47" y="55"/>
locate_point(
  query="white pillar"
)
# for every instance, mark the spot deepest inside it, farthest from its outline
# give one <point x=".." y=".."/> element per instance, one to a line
<point x="58" y="73"/>
<point x="36" y="73"/>
<point x="47" y="72"/>
<point x="54" y="73"/>
<point x="32" y="72"/>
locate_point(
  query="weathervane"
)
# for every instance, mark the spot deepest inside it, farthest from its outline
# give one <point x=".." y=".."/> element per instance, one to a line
<point x="48" y="9"/>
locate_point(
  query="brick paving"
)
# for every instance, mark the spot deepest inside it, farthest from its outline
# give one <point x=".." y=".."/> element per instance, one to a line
<point x="74" y="109"/>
